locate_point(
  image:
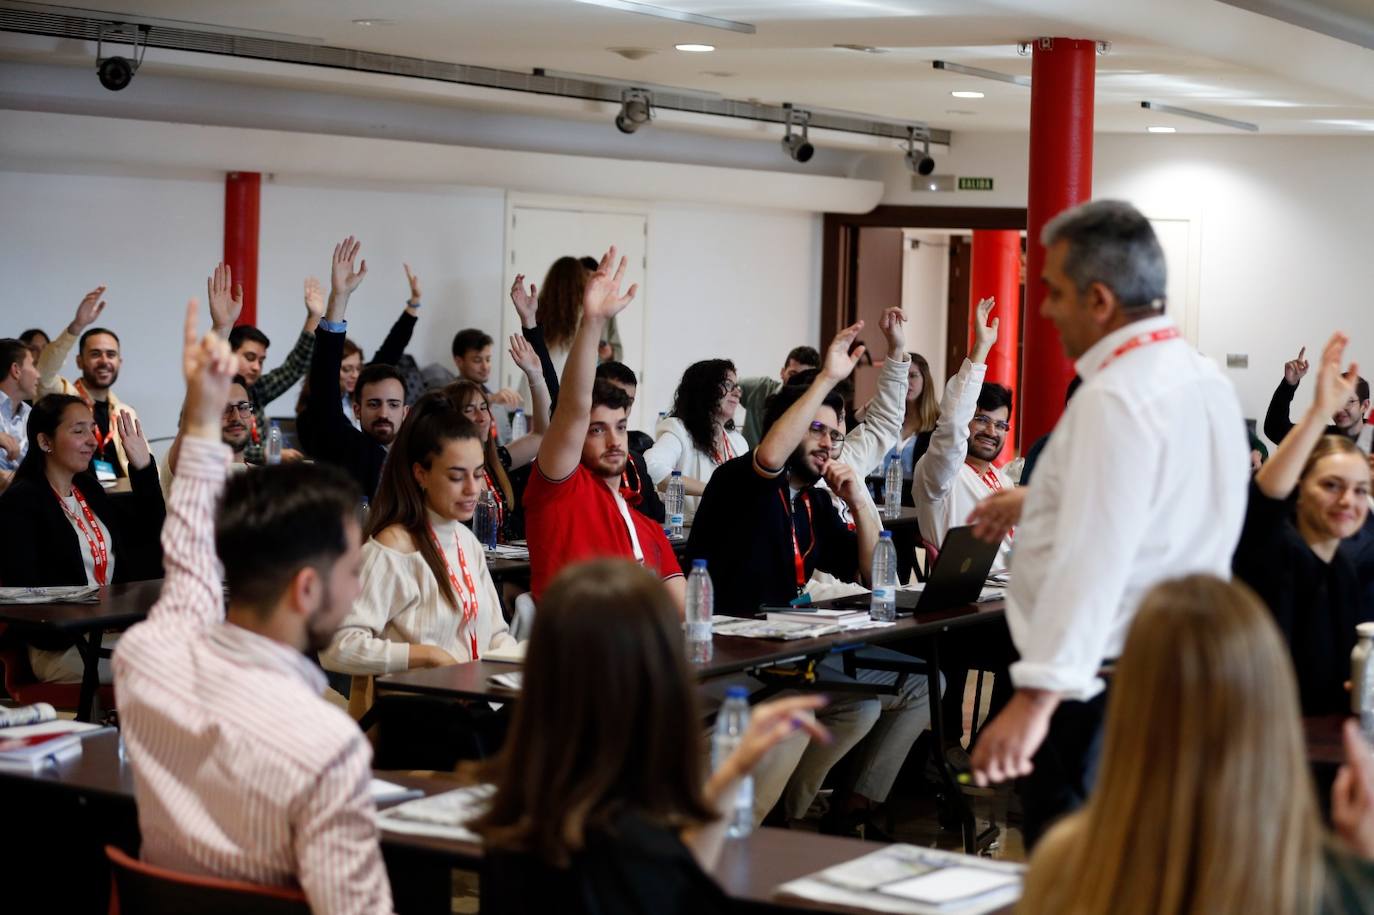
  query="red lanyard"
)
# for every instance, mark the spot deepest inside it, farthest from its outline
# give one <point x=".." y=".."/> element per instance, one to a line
<point x="630" y="491"/>
<point x="468" y="600"/>
<point x="100" y="437"/>
<point x="989" y="478"/>
<point x="798" y="557"/>
<point x="95" y="538"/>
<point x="729" y="452"/>
<point x="1136" y="342"/>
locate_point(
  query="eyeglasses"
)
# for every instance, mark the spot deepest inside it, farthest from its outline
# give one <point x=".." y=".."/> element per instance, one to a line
<point x="820" y="430"/>
<point x="985" y="421"/>
<point x="730" y="387"/>
<point x="243" y="408"/>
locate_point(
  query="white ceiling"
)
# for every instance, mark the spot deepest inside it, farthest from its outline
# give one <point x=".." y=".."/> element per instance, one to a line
<point x="1198" y="54"/>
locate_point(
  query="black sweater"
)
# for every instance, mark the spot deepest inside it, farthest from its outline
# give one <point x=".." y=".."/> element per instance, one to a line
<point x="39" y="547"/>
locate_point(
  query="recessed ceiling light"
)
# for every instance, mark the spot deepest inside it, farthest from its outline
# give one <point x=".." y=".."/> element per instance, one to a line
<point x="1162" y="129"/>
<point x="374" y="21"/>
<point x="966" y="93"/>
<point x="695" y="48"/>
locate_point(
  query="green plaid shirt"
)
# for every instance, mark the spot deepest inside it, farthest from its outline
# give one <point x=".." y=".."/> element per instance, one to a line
<point x="273" y="385"/>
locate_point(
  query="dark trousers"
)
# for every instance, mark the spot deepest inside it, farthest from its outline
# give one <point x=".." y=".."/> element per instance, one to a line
<point x="1065" y="766"/>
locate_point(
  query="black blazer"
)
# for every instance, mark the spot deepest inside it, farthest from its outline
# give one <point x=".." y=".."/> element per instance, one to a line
<point x="39" y="547"/>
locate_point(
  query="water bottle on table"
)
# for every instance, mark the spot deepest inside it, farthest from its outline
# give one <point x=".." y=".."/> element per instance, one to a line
<point x="486" y="520"/>
<point x="675" y="502"/>
<point x="731" y="723"/>
<point x="518" y="425"/>
<point x="273" y="450"/>
<point x="883" y="603"/>
<point x="1362" y="678"/>
<point x="892" y="489"/>
<point x="701" y="604"/>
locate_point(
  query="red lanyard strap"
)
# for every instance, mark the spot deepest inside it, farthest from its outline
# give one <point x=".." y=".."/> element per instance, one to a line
<point x="630" y="491"/>
<point x="798" y="557"/>
<point x="468" y="600"/>
<point x="95" y="538"/>
<point x="1136" y="342"/>
<point x="728" y="452"/>
<point x="989" y="478"/>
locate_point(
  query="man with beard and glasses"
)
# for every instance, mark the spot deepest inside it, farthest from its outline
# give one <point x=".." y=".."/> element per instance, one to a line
<point x="956" y="472"/>
<point x="379" y="398"/>
<point x="574" y="509"/>
<point x="242" y="770"/>
<point x="98" y="358"/>
<point x="234" y="432"/>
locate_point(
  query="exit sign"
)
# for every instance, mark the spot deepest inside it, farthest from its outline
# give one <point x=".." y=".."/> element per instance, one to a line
<point x="975" y="184"/>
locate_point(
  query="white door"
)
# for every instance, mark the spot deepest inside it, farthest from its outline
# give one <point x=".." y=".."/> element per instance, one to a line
<point x="1179" y="240"/>
<point x="540" y="234"/>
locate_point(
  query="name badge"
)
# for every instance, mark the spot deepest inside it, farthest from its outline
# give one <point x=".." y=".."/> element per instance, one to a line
<point x="104" y="471"/>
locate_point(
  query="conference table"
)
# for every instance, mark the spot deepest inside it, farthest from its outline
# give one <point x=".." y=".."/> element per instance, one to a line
<point x="70" y="811"/>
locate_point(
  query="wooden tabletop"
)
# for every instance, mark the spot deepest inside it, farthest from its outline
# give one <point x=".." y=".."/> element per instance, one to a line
<point x="731" y="654"/>
<point x="906" y="520"/>
<point x="119" y="606"/>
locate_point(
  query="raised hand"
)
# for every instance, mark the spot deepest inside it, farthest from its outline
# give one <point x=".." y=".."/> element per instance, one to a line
<point x="839" y="361"/>
<point x="314" y="298"/>
<point x="602" y="298"/>
<point x="891" y="326"/>
<point x="1295" y="369"/>
<point x="131" y="438"/>
<point x="90" y="308"/>
<point x="208" y="365"/>
<point x="1334" y="388"/>
<point x="414" y="281"/>
<point x="526" y="303"/>
<point x="984" y="332"/>
<point x="524" y="356"/>
<point x="343" y="278"/>
<point x="226" y="299"/>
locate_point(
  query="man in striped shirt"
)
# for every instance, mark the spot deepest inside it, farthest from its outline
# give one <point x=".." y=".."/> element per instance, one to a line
<point x="241" y="769"/>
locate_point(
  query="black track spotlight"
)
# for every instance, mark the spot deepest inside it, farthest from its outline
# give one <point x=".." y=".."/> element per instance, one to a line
<point x="636" y="110"/>
<point x="117" y="72"/>
<point x="796" y="145"/>
<point x="919" y="162"/>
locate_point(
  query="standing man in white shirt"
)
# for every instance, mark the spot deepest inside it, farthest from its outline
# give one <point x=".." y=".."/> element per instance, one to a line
<point x="956" y="472"/>
<point x="1143" y="480"/>
<point x="18" y="383"/>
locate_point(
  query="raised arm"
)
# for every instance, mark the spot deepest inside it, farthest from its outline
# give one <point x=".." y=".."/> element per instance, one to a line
<point x="330" y="428"/>
<point x="55" y="353"/>
<point x="398" y="338"/>
<point x="1279" y="475"/>
<point x="523" y="449"/>
<point x="225" y="300"/>
<point x="277" y="382"/>
<point x="881" y="428"/>
<point x="784" y="436"/>
<point x="191" y="591"/>
<point x="527" y="306"/>
<point x="561" y="449"/>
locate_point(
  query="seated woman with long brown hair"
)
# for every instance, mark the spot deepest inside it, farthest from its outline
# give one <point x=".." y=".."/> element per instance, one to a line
<point x="1204" y="802"/>
<point x="602" y="802"/>
<point x="427" y="597"/>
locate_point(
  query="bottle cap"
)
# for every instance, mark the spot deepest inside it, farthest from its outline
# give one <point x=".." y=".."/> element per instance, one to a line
<point x="885" y="535"/>
<point x="1365" y="630"/>
<point x="701" y="564"/>
<point x="737" y="692"/>
<point x="677" y="473"/>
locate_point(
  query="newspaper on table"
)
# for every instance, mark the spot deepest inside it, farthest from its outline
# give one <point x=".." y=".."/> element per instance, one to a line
<point x="785" y="630"/>
<point x="443" y="816"/>
<point x="65" y="594"/>
<point x="909" y="880"/>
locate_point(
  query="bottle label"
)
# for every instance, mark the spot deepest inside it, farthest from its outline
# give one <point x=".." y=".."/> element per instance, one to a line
<point x="884" y="594"/>
<point x="675" y="520"/>
<point x="699" y="631"/>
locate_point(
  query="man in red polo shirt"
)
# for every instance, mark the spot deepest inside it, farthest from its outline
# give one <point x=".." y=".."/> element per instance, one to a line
<point x="573" y="507"/>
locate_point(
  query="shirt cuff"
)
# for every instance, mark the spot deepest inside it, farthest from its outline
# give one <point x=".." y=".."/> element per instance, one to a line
<point x="1029" y="675"/>
<point x="203" y="459"/>
<point x="415" y="305"/>
<point x="334" y="327"/>
<point x="397" y="657"/>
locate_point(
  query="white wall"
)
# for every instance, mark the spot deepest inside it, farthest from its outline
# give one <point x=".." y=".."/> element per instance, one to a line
<point x="925" y="297"/>
<point x="1285" y="224"/>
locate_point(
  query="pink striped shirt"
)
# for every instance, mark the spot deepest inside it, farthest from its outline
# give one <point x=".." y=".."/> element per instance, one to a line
<point x="241" y="768"/>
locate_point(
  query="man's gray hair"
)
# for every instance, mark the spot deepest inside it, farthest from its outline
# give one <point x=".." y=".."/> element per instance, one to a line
<point x="1112" y="243"/>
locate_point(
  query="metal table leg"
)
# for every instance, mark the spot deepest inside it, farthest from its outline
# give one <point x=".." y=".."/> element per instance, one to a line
<point x="89" y="648"/>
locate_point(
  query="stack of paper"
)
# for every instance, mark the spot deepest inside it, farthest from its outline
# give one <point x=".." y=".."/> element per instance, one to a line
<point x="34" y="747"/>
<point x="786" y="630"/>
<point x="916" y="881"/>
<point x="510" y="654"/>
<point x="442" y="815"/>
<point x="72" y="594"/>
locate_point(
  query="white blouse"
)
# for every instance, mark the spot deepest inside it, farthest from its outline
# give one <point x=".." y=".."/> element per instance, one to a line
<point x="675" y="450"/>
<point x="401" y="604"/>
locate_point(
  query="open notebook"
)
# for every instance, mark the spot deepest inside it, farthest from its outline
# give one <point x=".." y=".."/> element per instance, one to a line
<point x="915" y="881"/>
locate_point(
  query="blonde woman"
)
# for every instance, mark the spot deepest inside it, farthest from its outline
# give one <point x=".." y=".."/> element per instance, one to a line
<point x="1204" y="802"/>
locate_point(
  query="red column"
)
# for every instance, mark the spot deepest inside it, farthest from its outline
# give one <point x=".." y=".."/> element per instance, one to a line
<point x="242" y="195"/>
<point x="995" y="272"/>
<point x="1061" y="172"/>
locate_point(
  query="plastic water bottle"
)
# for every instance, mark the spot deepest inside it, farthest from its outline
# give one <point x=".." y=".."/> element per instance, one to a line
<point x="892" y="489"/>
<point x="883" y="604"/>
<point x="274" y="444"/>
<point x="701" y="604"/>
<point x="486" y="520"/>
<point x="731" y="723"/>
<point x="519" y="427"/>
<point x="1361" y="678"/>
<point x="675" y="503"/>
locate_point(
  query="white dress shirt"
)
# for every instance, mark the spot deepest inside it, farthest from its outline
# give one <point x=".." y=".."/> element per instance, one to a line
<point x="401" y="605"/>
<point x="944" y="487"/>
<point x="869" y="442"/>
<point x="1143" y="480"/>
<point x="14" y="421"/>
<point x="674" y="450"/>
<point x="241" y="768"/>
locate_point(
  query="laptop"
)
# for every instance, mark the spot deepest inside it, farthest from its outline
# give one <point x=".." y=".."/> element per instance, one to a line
<point x="960" y="572"/>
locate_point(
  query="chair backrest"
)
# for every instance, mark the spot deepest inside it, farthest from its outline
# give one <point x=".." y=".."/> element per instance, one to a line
<point x="144" y="889"/>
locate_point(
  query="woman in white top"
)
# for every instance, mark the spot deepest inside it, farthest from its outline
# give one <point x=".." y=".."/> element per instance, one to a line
<point x="427" y="598"/>
<point x="699" y="435"/>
